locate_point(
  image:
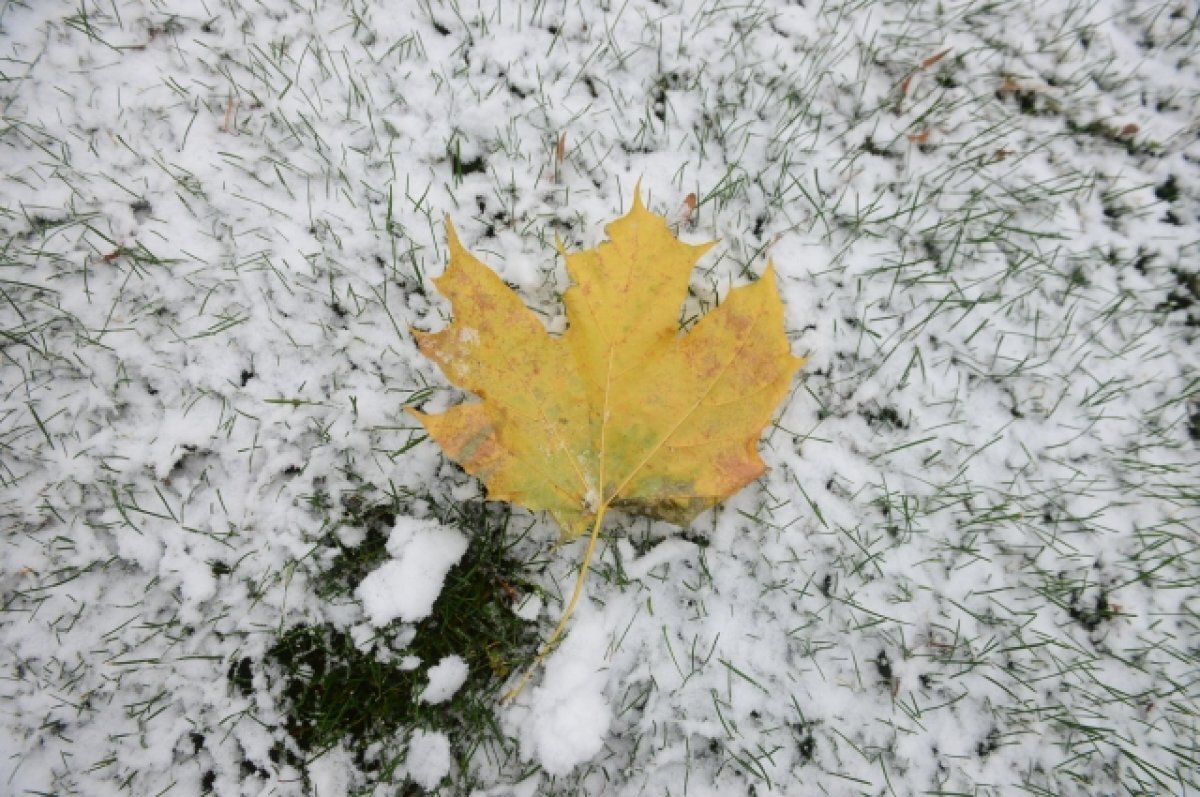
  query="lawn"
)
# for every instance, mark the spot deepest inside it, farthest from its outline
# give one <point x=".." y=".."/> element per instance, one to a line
<point x="231" y="563"/>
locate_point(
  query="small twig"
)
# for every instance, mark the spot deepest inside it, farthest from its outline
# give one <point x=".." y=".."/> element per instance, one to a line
<point x="560" y="152"/>
<point x="228" y="125"/>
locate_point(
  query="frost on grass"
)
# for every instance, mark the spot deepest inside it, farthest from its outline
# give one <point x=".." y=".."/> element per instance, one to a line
<point x="971" y="567"/>
<point x="406" y="587"/>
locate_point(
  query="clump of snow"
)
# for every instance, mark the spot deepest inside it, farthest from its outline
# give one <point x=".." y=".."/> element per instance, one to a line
<point x="568" y="714"/>
<point x="331" y="775"/>
<point x="406" y="587"/>
<point x="428" y="758"/>
<point x="196" y="584"/>
<point x="363" y="635"/>
<point x="445" y="678"/>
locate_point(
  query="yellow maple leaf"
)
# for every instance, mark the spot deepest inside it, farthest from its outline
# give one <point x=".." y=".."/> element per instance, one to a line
<point x="623" y="410"/>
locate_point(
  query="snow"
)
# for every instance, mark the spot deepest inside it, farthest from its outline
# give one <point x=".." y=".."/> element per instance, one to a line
<point x="970" y="568"/>
<point x="331" y="774"/>
<point x="529" y="607"/>
<point x="428" y="758"/>
<point x="406" y="587"/>
<point x="445" y="678"/>
<point x="567" y="717"/>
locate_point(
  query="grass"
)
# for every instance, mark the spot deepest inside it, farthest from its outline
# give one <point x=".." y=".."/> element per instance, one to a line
<point x="981" y="509"/>
<point x="336" y="687"/>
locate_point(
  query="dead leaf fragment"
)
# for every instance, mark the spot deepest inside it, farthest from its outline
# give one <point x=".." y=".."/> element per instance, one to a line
<point x="921" y="67"/>
<point x="689" y="207"/>
<point x="560" y="152"/>
<point x="230" y="115"/>
<point x="933" y="59"/>
<point x="1011" y="84"/>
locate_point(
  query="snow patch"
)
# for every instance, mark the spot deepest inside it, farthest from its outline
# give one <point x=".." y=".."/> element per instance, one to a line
<point x="568" y="715"/>
<point x="331" y="774"/>
<point x="663" y="553"/>
<point x="445" y="678"/>
<point x="529" y="608"/>
<point x="406" y="587"/>
<point x="428" y="758"/>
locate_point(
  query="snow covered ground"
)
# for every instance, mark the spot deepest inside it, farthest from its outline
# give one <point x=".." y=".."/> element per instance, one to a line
<point x="973" y="565"/>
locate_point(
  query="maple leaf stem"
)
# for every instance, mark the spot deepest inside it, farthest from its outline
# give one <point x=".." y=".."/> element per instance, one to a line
<point x="556" y="635"/>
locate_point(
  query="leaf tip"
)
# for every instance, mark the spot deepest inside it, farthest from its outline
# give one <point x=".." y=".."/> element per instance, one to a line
<point x="451" y="234"/>
<point x="418" y="338"/>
